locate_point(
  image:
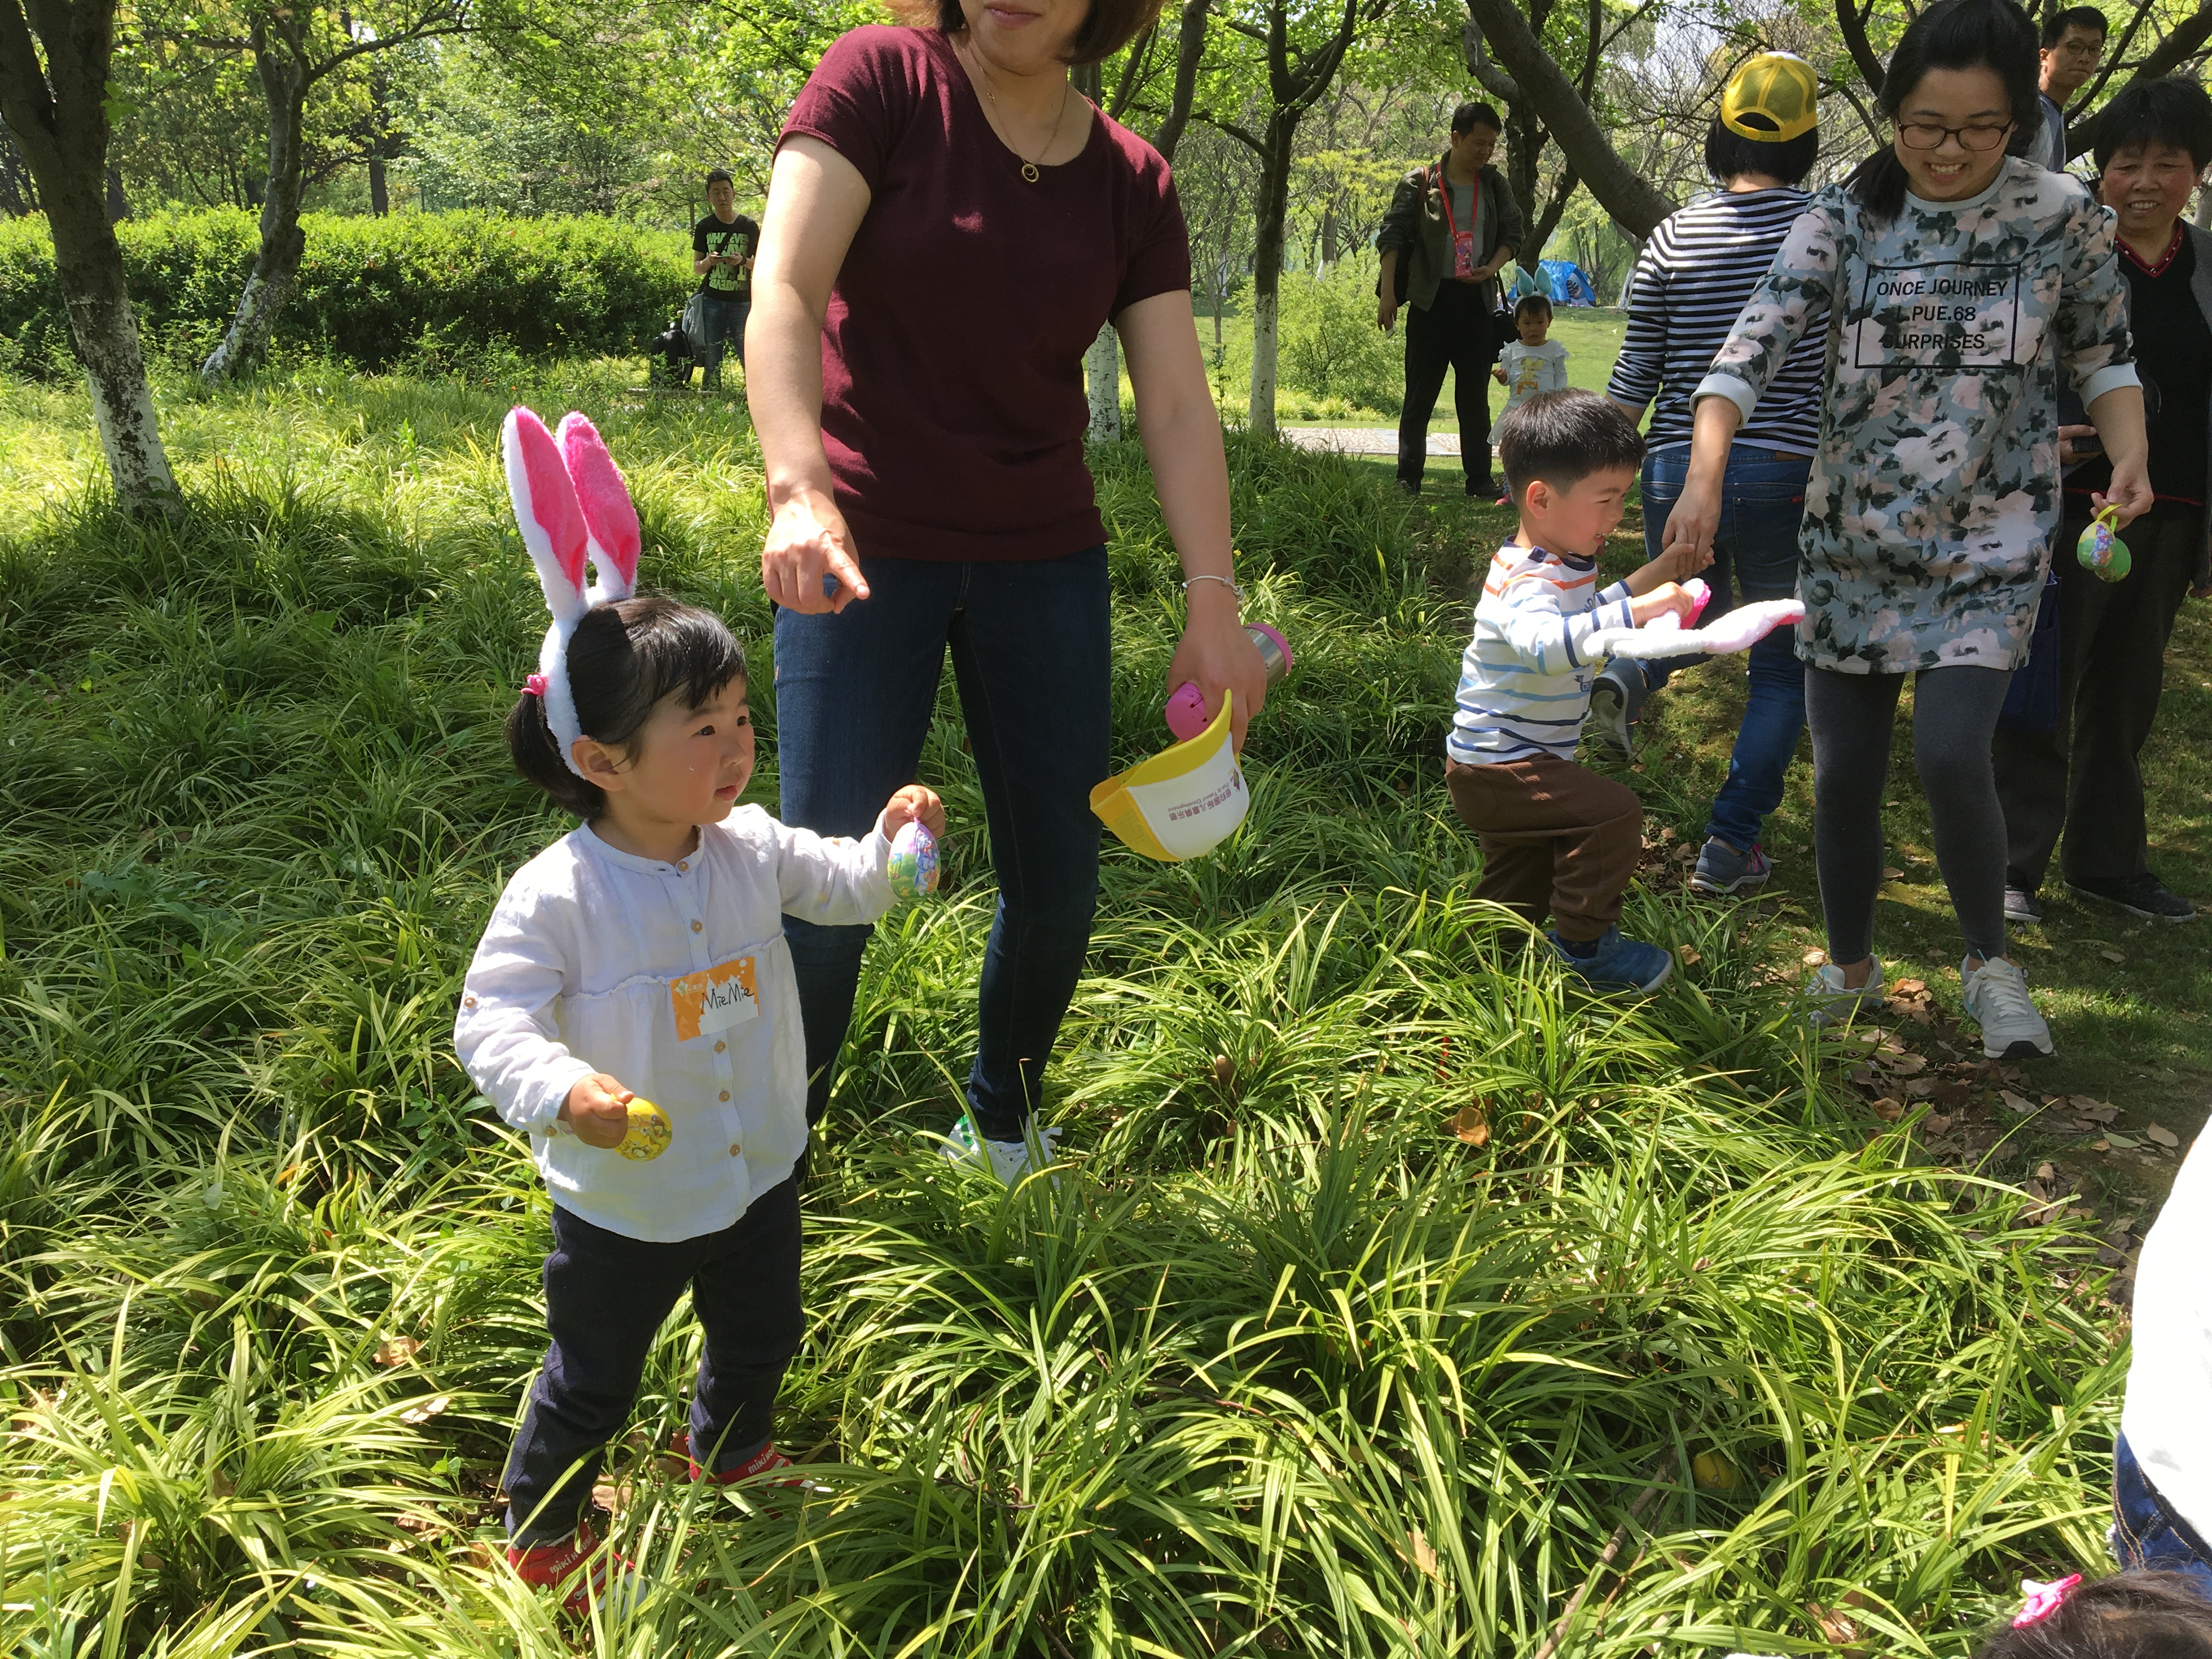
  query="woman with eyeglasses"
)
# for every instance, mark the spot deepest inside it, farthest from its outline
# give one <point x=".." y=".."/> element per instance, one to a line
<point x="1955" y="268"/>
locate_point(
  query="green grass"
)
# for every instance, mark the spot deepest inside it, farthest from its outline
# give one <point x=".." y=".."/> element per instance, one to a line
<point x="1396" y="1299"/>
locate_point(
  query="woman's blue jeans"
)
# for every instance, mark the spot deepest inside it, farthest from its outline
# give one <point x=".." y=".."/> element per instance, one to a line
<point x="853" y="695"/>
<point x="1755" y="557"/>
<point x="2147" y="1533"/>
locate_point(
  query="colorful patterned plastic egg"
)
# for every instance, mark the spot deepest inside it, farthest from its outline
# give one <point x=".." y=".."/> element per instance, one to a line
<point x="2102" y="553"/>
<point x="912" y="868"/>
<point x="648" y="1134"/>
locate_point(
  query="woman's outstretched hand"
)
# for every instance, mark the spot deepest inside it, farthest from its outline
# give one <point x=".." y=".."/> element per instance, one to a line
<point x="807" y="540"/>
<point x="1216" y="654"/>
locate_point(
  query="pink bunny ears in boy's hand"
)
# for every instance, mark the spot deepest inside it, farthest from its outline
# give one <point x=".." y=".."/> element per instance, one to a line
<point x="571" y="504"/>
<point x="1665" y="636"/>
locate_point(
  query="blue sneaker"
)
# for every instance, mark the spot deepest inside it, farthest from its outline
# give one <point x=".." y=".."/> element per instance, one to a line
<point x="1722" y="870"/>
<point x="1620" y="964"/>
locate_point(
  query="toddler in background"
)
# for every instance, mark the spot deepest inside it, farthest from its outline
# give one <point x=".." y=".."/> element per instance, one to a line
<point x="1534" y="362"/>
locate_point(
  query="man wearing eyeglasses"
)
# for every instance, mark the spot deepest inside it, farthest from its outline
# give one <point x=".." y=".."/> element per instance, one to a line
<point x="2073" y="45"/>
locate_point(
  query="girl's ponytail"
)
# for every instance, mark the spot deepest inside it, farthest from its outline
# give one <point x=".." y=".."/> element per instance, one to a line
<point x="537" y="756"/>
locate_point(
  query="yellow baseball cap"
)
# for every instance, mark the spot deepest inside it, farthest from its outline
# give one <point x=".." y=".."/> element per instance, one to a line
<point x="1773" y="98"/>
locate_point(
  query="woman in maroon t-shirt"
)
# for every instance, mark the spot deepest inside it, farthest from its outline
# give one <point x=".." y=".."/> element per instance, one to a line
<point x="949" y="225"/>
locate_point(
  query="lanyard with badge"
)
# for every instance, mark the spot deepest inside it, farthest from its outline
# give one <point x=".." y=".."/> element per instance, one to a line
<point x="1463" y="260"/>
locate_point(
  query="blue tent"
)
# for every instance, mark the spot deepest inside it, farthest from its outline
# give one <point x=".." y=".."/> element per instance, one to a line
<point x="1566" y="283"/>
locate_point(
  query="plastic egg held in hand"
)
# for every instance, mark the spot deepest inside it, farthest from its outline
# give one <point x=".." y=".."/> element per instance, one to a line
<point x="648" y="1134"/>
<point x="913" y="866"/>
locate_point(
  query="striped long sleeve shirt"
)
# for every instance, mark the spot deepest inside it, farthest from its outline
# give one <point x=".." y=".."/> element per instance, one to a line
<point x="1691" y="283"/>
<point x="1524" y="685"/>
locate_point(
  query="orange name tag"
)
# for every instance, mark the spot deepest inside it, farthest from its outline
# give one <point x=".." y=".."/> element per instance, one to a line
<point x="716" y="999"/>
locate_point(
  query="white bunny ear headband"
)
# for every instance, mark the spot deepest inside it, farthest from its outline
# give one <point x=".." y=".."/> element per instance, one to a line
<point x="570" y="503"/>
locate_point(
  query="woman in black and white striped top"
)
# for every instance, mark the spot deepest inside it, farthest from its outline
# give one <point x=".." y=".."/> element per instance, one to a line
<point x="1690" y="285"/>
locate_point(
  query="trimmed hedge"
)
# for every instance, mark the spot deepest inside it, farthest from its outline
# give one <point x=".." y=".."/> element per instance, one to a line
<point x="372" y="291"/>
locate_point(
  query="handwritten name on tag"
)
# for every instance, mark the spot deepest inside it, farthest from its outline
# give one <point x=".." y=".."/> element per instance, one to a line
<point x="714" y="999"/>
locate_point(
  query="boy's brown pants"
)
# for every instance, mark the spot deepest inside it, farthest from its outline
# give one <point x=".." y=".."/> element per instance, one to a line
<point x="1557" y="839"/>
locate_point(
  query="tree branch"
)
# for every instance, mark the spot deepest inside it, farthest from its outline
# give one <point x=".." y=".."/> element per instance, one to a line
<point x="1492" y="80"/>
<point x="1610" y="177"/>
<point x="1850" y="23"/>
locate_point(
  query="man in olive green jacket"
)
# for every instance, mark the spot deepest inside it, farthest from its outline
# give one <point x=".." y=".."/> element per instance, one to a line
<point x="1450" y="226"/>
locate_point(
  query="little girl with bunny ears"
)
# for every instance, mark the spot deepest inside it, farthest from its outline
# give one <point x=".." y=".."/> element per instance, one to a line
<point x="640" y="959"/>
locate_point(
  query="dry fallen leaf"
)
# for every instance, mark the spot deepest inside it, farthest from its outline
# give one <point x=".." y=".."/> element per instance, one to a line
<point x="427" y="1410"/>
<point x="1423" y="1557"/>
<point x="2164" y="1136"/>
<point x="1815" y="958"/>
<point x="1470" y="1124"/>
<point x="1904" y="1064"/>
<point x="1889" y="1111"/>
<point x="2018" y="1102"/>
<point x="2114" y="1137"/>
<point x="397" y="1350"/>
<point x="1909" y="987"/>
<point x="1833" y="1625"/>
<point x="1890" y="873"/>
<point x="2111" y="956"/>
<point x="1690" y="958"/>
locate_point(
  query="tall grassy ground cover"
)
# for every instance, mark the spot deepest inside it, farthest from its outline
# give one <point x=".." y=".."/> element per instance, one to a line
<point x="1396" y="1299"/>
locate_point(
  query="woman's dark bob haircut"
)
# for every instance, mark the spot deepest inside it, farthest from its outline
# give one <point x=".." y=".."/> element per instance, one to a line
<point x="1111" y="25"/>
<point x="1953" y="34"/>
<point x="2157" y="115"/>
<point x="623" y="660"/>
<point x="1730" y="154"/>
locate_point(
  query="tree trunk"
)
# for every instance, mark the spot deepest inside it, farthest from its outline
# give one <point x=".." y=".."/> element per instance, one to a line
<point x="283" y="66"/>
<point x="1272" y="207"/>
<point x="119" y="204"/>
<point x="1328" y="238"/>
<point x="1190" y="47"/>
<point x="1608" y="174"/>
<point x="379" y="194"/>
<point x="59" y="122"/>
<point x="1101" y="373"/>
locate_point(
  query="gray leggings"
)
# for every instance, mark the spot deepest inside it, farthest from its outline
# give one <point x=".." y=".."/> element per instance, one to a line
<point x="1955" y="715"/>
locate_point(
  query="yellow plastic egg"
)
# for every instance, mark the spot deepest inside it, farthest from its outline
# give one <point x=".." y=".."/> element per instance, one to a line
<point x="649" y="1131"/>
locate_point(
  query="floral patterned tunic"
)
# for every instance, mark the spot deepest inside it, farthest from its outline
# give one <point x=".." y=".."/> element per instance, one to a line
<point x="1935" y="489"/>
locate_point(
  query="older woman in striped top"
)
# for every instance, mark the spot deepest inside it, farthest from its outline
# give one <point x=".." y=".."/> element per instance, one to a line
<point x="1695" y="274"/>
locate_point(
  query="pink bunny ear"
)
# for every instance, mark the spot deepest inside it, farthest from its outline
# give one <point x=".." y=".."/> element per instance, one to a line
<point x="610" y="517"/>
<point x="546" y="511"/>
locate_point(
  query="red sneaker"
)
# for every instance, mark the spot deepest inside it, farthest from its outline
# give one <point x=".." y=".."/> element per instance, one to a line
<point x="766" y="1460"/>
<point x="588" y="1569"/>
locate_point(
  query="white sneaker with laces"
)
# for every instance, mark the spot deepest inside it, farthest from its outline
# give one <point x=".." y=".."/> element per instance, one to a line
<point x="1831" y="1000"/>
<point x="1996" y="997"/>
<point x="1010" y="1159"/>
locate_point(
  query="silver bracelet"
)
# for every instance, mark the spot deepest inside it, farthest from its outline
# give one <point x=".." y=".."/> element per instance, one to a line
<point x="1224" y="581"/>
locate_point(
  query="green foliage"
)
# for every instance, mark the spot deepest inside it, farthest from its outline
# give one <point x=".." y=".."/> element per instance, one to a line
<point x="1329" y="343"/>
<point x="373" y="292"/>
<point x="1388" y="1280"/>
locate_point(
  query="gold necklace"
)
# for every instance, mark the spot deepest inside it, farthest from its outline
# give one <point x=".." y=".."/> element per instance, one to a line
<point x="1028" y="167"/>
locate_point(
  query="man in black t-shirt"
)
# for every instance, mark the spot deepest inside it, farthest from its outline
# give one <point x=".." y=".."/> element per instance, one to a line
<point x="722" y="248"/>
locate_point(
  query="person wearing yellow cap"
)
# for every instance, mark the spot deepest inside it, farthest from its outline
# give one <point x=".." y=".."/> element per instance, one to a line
<point x="1690" y="282"/>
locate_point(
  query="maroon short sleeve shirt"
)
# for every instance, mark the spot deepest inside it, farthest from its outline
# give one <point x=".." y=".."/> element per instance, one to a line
<point x="953" y="408"/>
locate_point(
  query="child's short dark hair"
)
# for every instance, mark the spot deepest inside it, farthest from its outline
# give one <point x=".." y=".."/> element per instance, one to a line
<point x="1562" y="437"/>
<point x="1529" y="304"/>
<point x="623" y="660"/>
<point x="2127" y="1615"/>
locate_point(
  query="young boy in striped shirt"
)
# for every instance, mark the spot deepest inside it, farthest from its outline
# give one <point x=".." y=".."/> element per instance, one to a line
<point x="1557" y="839"/>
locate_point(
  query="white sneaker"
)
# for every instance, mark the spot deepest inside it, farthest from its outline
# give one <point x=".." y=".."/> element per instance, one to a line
<point x="1832" y="1002"/>
<point x="1996" y="996"/>
<point x="1010" y="1159"/>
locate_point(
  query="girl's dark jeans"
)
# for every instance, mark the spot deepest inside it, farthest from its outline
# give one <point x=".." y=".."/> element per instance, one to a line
<point x="606" y="1294"/>
<point x="854" y="696"/>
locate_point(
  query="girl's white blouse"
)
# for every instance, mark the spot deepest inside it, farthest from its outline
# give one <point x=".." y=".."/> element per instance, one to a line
<point x="674" y="979"/>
